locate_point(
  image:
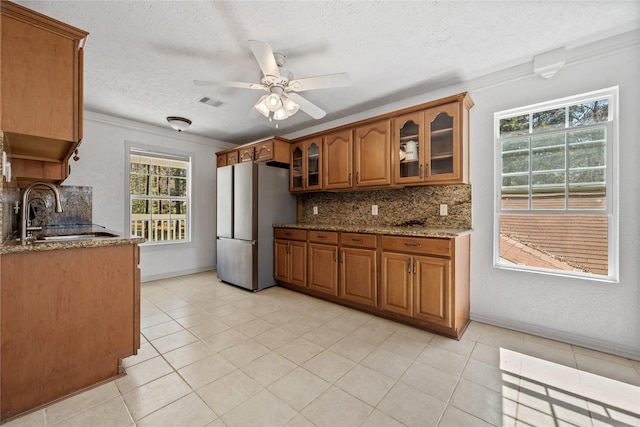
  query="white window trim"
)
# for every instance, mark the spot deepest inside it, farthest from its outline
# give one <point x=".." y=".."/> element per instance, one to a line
<point x="129" y="146"/>
<point x="612" y="177"/>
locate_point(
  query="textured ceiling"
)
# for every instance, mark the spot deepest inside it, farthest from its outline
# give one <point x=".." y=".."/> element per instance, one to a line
<point x="142" y="56"/>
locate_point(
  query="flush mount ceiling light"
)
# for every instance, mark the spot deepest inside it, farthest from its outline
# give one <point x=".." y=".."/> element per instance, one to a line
<point x="179" y="123"/>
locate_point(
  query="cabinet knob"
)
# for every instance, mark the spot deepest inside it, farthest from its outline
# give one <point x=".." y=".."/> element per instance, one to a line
<point x="409" y="266"/>
<point x="415" y="245"/>
<point x="334" y="255"/>
<point x="321" y="236"/>
<point x="357" y="240"/>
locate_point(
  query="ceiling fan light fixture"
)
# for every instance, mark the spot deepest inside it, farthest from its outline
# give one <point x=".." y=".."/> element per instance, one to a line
<point x="179" y="123"/>
<point x="280" y="114"/>
<point x="261" y="106"/>
<point x="290" y="106"/>
<point x="273" y="102"/>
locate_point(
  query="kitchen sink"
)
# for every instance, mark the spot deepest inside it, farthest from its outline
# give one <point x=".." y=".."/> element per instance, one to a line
<point x="72" y="237"/>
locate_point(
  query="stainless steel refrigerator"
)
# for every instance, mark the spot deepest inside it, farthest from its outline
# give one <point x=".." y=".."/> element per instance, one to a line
<point x="251" y="197"/>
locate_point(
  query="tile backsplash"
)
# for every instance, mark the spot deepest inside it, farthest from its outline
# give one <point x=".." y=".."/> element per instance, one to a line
<point x="409" y="206"/>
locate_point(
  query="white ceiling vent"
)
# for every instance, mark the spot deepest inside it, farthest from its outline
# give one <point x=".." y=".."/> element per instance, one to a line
<point x="211" y="102"/>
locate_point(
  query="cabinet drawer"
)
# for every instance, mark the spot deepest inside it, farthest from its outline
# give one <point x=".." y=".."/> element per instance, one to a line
<point x="290" y="234"/>
<point x="328" y="237"/>
<point x="418" y="245"/>
<point x="358" y="240"/>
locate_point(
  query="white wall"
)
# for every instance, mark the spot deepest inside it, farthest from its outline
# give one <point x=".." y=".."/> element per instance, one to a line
<point x="103" y="159"/>
<point x="599" y="315"/>
<point x="596" y="314"/>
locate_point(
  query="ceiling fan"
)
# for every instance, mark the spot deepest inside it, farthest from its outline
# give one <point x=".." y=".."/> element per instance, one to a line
<point x="283" y="99"/>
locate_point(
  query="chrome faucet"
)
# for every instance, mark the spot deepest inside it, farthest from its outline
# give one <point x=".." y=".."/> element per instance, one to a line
<point x="25" y="208"/>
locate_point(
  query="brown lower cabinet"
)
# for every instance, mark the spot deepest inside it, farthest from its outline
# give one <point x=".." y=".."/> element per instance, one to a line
<point x="290" y="257"/>
<point x="421" y="281"/>
<point x="68" y="318"/>
<point x="358" y="268"/>
<point x="323" y="262"/>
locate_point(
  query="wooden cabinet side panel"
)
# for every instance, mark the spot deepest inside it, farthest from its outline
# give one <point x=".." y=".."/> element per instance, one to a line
<point x="338" y="160"/>
<point x="396" y="283"/>
<point x="67" y="320"/>
<point x="38" y="81"/>
<point x="136" y="299"/>
<point x="323" y="270"/>
<point x="358" y="275"/>
<point x="461" y="276"/>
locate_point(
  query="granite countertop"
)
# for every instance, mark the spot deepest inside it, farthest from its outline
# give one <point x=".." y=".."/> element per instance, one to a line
<point x="14" y="246"/>
<point x="413" y="231"/>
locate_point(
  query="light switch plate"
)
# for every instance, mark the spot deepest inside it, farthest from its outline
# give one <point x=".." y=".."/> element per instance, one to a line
<point x="444" y="211"/>
<point x="315" y="210"/>
<point x="374" y="209"/>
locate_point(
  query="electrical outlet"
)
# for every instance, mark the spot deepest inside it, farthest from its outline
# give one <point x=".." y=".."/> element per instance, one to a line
<point x="315" y="210"/>
<point x="374" y="209"/>
<point x="444" y="211"/>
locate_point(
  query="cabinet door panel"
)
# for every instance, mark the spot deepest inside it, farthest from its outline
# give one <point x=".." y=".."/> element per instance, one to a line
<point x="432" y="290"/>
<point x="444" y="158"/>
<point x="323" y="270"/>
<point x="372" y="146"/>
<point x="281" y="260"/>
<point x="338" y="160"/>
<point x="297" y="167"/>
<point x="396" y="293"/>
<point x="407" y="155"/>
<point x="298" y="254"/>
<point x="358" y="274"/>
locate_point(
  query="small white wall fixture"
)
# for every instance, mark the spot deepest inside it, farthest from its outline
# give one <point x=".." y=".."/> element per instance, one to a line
<point x="547" y="64"/>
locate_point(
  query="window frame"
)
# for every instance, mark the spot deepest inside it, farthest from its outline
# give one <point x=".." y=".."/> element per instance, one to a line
<point x="168" y="154"/>
<point x="611" y="209"/>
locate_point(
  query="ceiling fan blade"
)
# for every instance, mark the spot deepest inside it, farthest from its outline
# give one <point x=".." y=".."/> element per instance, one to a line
<point x="320" y="82"/>
<point x="264" y="55"/>
<point x="242" y="85"/>
<point x="307" y="106"/>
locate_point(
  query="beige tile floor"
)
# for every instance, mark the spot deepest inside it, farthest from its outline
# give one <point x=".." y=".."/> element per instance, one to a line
<point x="215" y="355"/>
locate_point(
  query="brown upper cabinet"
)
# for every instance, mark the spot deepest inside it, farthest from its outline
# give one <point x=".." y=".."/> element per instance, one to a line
<point x="337" y="167"/>
<point x="221" y="159"/>
<point x="421" y="145"/>
<point x="245" y="154"/>
<point x="432" y="146"/>
<point x="372" y="154"/>
<point x="305" y="170"/>
<point x="268" y="150"/>
<point x="41" y="86"/>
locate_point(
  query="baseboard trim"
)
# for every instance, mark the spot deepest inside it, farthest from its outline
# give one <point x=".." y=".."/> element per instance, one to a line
<point x="554" y="334"/>
<point x="172" y="274"/>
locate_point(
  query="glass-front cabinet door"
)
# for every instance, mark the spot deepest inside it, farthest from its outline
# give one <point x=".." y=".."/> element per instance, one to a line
<point x="306" y="165"/>
<point x="444" y="143"/>
<point x="408" y="148"/>
<point x="296" y="168"/>
<point x="314" y="164"/>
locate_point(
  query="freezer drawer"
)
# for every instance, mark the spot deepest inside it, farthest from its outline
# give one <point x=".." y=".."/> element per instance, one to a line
<point x="238" y="262"/>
